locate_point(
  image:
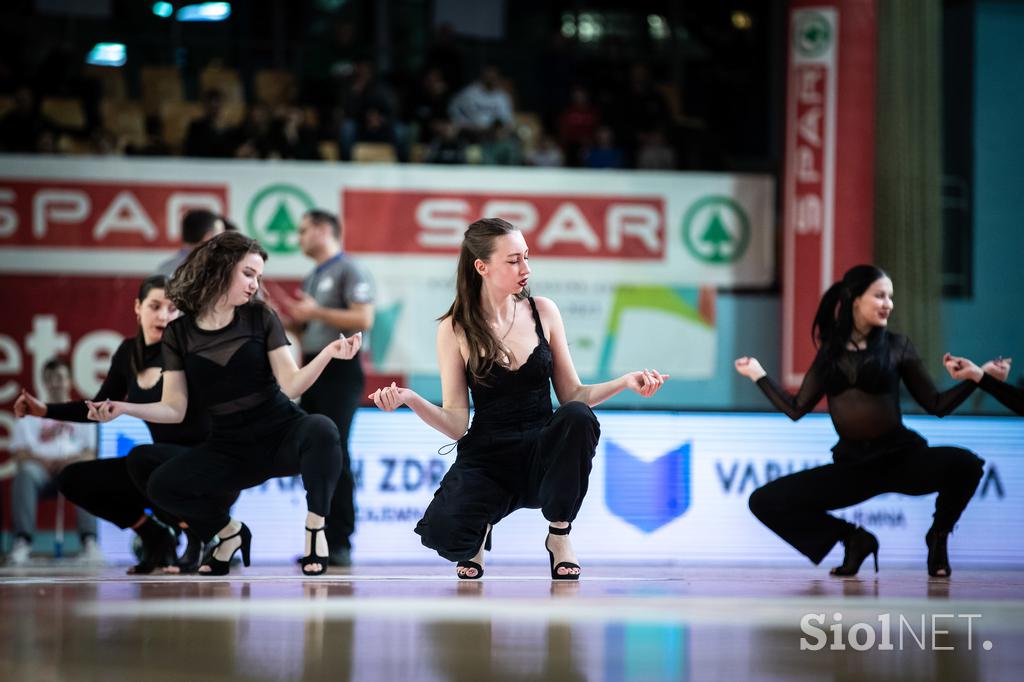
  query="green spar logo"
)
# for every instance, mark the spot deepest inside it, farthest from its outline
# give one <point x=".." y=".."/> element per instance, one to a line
<point x="716" y="230"/>
<point x="273" y="216"/>
<point x="812" y="34"/>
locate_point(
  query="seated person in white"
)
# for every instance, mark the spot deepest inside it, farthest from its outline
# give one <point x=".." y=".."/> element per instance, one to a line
<point x="41" y="448"/>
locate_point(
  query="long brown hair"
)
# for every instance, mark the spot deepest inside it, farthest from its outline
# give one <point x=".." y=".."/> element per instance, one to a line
<point x="466" y="310"/>
<point x="206" y="274"/>
<point x="139" y="347"/>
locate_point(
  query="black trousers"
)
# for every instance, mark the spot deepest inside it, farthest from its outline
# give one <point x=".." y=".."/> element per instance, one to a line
<point x="500" y="470"/>
<point x="336" y="395"/>
<point x="105" y="489"/>
<point x="796" y="506"/>
<point x="244" y="451"/>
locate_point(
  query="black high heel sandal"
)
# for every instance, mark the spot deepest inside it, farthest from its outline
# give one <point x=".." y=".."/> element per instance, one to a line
<point x="159" y="551"/>
<point x="938" y="554"/>
<point x="859" y="545"/>
<point x="192" y="558"/>
<point x="219" y="567"/>
<point x="313" y="557"/>
<point x="555" y="575"/>
<point x="472" y="564"/>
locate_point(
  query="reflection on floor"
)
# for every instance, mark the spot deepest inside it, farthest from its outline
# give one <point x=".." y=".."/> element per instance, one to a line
<point x="419" y="623"/>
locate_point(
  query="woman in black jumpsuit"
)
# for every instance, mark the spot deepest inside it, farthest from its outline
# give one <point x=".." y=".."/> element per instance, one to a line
<point x="231" y="351"/>
<point x="859" y="367"/>
<point x="508" y="350"/>
<point x="104" y="487"/>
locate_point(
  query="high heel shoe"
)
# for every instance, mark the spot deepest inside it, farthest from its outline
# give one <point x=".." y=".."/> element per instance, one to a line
<point x="159" y="549"/>
<point x="313" y="557"/>
<point x="859" y="545"/>
<point x="219" y="567"/>
<point x="555" y="575"/>
<point x="938" y="554"/>
<point x="472" y="564"/>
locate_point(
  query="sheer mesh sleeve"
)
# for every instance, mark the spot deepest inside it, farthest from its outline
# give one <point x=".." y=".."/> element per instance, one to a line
<point x="115" y="387"/>
<point x="173" y="346"/>
<point x="1008" y="395"/>
<point x="811" y="391"/>
<point x="273" y="330"/>
<point x="921" y="387"/>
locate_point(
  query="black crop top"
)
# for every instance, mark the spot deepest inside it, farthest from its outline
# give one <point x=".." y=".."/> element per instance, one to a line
<point x="122" y="384"/>
<point x="863" y="392"/>
<point x="228" y="367"/>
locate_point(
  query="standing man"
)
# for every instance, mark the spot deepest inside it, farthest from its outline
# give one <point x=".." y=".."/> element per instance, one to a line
<point x="42" y="448"/>
<point x="337" y="297"/>
<point x="197" y="227"/>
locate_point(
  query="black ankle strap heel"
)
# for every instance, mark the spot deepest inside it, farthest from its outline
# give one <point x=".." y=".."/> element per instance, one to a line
<point x="313" y="557"/>
<point x="218" y="567"/>
<point x="555" y="575"/>
<point x="858" y="546"/>
<point x="472" y="564"/>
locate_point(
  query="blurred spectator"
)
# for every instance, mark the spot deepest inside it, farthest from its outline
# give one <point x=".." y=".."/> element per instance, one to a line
<point x="295" y="136"/>
<point x="254" y="136"/>
<point x="361" y="93"/>
<point x="501" y="147"/>
<point x="428" y="106"/>
<point x="655" y="153"/>
<point x="478" y="106"/>
<point x="604" y="153"/>
<point x="23" y="126"/>
<point x="547" y="154"/>
<point x="447" y="147"/>
<point x="154" y="144"/>
<point x="577" y="125"/>
<point x="42" y="448"/>
<point x="642" y="108"/>
<point x="445" y="56"/>
<point x="197" y="227"/>
<point x="210" y="136"/>
<point x="106" y="143"/>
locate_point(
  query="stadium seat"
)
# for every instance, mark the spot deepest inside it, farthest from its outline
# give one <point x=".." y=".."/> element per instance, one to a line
<point x="367" y="152"/>
<point x="275" y="87"/>
<point x="160" y="85"/>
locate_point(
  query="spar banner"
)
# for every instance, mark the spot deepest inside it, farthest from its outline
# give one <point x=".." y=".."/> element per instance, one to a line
<point x="828" y="192"/>
<point x="634" y="259"/>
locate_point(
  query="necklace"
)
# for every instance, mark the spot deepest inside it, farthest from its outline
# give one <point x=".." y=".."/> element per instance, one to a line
<point x="515" y="308"/>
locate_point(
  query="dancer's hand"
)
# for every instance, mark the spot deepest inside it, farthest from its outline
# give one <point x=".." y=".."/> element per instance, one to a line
<point x="390" y="398"/>
<point x="106" y="411"/>
<point x="646" y="383"/>
<point x="961" y="369"/>
<point x="26" y="404"/>
<point x="998" y="368"/>
<point x="345" y="348"/>
<point x="750" y="368"/>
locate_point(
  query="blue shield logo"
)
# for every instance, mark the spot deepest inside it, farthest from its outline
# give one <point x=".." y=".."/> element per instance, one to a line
<point x="647" y="494"/>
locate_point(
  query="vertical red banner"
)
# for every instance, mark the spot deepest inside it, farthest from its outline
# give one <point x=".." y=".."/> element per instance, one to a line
<point x="828" y="183"/>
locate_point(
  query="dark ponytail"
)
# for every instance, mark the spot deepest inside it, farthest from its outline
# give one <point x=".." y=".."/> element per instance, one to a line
<point x="833" y="323"/>
<point x="139" y="347"/>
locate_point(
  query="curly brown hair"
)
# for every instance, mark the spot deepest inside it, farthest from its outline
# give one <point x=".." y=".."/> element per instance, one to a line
<point x="206" y="274"/>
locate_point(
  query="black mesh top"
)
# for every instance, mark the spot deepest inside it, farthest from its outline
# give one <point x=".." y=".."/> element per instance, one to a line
<point x="1008" y="395"/>
<point x="863" y="392"/>
<point x="228" y="367"/>
<point x="122" y="384"/>
<point x="516" y="398"/>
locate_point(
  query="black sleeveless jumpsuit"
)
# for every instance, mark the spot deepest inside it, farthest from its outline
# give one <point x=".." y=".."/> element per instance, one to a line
<point x="517" y="454"/>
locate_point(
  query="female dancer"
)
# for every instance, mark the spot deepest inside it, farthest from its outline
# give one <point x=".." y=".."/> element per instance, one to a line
<point x="230" y="349"/>
<point x="991" y="377"/>
<point x="104" y="487"/>
<point x="507" y="349"/>
<point x="859" y="366"/>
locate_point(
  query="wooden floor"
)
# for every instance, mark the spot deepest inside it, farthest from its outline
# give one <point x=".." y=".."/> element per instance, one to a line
<point x="406" y="623"/>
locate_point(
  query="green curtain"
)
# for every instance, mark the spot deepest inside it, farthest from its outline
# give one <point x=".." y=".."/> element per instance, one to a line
<point x="908" y="168"/>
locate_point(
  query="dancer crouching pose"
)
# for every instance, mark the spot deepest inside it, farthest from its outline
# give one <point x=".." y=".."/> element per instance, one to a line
<point x="859" y="366"/>
<point x="231" y="350"/>
<point x="508" y="349"/>
<point x="104" y="487"/>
